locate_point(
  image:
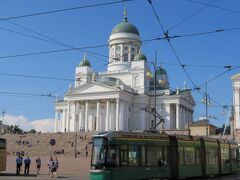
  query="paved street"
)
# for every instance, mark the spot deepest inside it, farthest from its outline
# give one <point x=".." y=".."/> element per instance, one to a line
<point x="70" y="168"/>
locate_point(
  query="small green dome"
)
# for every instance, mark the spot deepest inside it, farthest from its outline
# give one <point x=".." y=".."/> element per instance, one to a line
<point x="140" y="56"/>
<point x="84" y="62"/>
<point x="161" y="71"/>
<point x="126" y="27"/>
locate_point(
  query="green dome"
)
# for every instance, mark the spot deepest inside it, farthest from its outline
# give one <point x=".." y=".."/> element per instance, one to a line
<point x="125" y="27"/>
<point x="161" y="71"/>
<point x="84" y="62"/>
<point x="140" y="56"/>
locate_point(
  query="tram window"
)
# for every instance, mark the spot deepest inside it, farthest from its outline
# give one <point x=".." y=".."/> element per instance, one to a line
<point x="112" y="158"/>
<point x="181" y="155"/>
<point x="211" y="156"/>
<point x="189" y="157"/>
<point x="197" y="154"/>
<point x="225" y="155"/>
<point x="156" y="156"/>
<point x="233" y="154"/>
<point x="123" y="155"/>
<point x="133" y="155"/>
<point x="165" y="155"/>
<point x="143" y="156"/>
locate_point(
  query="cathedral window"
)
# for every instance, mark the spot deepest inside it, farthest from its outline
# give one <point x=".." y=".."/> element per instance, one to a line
<point x="133" y="49"/>
<point x="118" y="48"/>
<point x="136" y="80"/>
<point x="125" y="57"/>
<point x="118" y="57"/>
<point x="132" y="57"/>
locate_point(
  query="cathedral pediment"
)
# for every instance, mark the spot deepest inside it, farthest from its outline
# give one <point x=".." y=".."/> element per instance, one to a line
<point x="236" y="77"/>
<point x="92" y="87"/>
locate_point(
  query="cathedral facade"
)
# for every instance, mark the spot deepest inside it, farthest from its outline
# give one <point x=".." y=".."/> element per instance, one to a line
<point x="127" y="96"/>
<point x="236" y="107"/>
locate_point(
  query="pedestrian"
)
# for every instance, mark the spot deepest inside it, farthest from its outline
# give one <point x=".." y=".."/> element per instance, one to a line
<point x="51" y="166"/>
<point x="55" y="166"/>
<point x="19" y="164"/>
<point x="27" y="163"/>
<point x="38" y="162"/>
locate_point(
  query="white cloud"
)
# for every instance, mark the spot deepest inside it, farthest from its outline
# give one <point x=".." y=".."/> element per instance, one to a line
<point x="43" y="125"/>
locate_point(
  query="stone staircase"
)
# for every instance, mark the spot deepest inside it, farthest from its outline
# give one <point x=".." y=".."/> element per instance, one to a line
<point x="38" y="144"/>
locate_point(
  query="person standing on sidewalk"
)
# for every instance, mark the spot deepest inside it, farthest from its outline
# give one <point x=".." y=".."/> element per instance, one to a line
<point x="19" y="164"/>
<point x="27" y="163"/>
<point x="38" y="162"/>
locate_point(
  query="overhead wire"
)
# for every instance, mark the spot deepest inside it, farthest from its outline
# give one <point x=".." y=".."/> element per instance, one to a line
<point x="36" y="77"/>
<point x="170" y="44"/>
<point x="190" y="16"/>
<point x="217" y="7"/>
<point x="28" y="94"/>
<point x="175" y="54"/>
<point x="65" y="9"/>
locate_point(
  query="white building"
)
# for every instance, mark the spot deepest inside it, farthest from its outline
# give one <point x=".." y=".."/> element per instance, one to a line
<point x="116" y="99"/>
<point x="236" y="104"/>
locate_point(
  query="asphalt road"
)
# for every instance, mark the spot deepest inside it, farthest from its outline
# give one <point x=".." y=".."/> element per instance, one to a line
<point x="8" y="176"/>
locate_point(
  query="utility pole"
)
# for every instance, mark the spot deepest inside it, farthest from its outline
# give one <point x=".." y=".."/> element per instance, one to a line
<point x="206" y="100"/>
<point x="206" y="106"/>
<point x="155" y="90"/>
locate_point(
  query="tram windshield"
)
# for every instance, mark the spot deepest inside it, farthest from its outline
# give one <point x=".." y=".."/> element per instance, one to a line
<point x="99" y="153"/>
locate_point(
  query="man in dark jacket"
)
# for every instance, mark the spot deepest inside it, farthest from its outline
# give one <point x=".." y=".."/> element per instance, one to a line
<point x="27" y="163"/>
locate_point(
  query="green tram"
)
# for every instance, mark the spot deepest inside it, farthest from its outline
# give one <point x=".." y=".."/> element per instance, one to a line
<point x="146" y="155"/>
<point x="3" y="154"/>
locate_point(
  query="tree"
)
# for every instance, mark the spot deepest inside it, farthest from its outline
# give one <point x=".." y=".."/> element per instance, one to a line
<point x="17" y="130"/>
<point x="32" y="131"/>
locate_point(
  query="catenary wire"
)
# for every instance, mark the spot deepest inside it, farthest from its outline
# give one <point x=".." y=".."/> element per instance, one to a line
<point x="217" y="7"/>
<point x="65" y="9"/>
<point x="192" y="15"/>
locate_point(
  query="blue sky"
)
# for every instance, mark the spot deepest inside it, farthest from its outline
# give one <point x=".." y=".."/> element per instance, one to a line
<point x="92" y="26"/>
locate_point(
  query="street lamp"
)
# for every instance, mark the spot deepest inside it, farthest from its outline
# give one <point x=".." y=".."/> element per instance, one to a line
<point x="207" y="102"/>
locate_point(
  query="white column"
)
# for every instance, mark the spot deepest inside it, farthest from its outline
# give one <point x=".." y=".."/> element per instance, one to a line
<point x="56" y="121"/>
<point x="168" y="116"/>
<point x="177" y="116"/>
<point x="65" y="120"/>
<point x="117" y="114"/>
<point x="76" y="119"/>
<point x="68" y="117"/>
<point x="107" y="116"/>
<point x="121" y="117"/>
<point x="237" y="106"/>
<point x="82" y="120"/>
<point x="142" y="120"/>
<point x="98" y="116"/>
<point x="86" y="116"/>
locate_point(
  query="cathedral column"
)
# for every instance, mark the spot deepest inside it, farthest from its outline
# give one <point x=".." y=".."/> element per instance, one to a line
<point x="177" y="116"/>
<point x="236" y="106"/>
<point x="117" y="114"/>
<point x="86" y="116"/>
<point x="98" y="116"/>
<point x="64" y="120"/>
<point x="76" y="119"/>
<point x="142" y="120"/>
<point x="82" y="120"/>
<point x="68" y="117"/>
<point x="121" y="116"/>
<point x="168" y="110"/>
<point x="56" y="121"/>
<point x="107" y="116"/>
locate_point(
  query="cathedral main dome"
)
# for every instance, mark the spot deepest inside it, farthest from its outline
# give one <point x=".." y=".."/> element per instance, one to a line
<point x="125" y="27"/>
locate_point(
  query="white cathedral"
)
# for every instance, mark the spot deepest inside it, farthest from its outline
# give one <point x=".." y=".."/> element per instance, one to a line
<point x="121" y="98"/>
